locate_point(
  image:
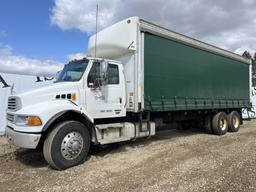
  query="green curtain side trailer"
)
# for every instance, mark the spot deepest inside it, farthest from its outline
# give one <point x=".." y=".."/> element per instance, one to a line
<point x="183" y="77"/>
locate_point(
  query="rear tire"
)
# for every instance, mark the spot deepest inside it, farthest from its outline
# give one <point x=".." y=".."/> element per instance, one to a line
<point x="220" y="123"/>
<point x="67" y="145"/>
<point x="234" y="121"/>
<point x="208" y="124"/>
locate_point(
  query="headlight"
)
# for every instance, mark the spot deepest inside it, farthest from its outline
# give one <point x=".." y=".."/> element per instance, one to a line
<point x="28" y="120"/>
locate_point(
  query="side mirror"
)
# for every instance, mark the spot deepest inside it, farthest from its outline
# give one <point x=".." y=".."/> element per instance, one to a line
<point x="103" y="72"/>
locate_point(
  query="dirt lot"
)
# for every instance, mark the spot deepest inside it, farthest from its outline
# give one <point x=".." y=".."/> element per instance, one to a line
<point x="171" y="161"/>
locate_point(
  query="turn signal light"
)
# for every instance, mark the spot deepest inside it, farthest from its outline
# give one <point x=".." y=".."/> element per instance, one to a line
<point x="34" y="121"/>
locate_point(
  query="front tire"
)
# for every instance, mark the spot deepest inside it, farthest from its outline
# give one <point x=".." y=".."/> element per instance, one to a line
<point x="67" y="145"/>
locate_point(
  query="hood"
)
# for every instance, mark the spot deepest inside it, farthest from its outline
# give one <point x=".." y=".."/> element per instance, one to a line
<point x="48" y="93"/>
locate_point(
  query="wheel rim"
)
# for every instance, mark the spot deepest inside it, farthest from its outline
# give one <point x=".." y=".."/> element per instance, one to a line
<point x="236" y="122"/>
<point x="72" y="145"/>
<point x="223" y="124"/>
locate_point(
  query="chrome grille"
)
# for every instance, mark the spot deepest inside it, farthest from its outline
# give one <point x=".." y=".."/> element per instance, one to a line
<point x="10" y="117"/>
<point x="13" y="104"/>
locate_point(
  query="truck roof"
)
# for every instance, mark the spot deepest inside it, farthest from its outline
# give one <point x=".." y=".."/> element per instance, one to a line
<point x="169" y="34"/>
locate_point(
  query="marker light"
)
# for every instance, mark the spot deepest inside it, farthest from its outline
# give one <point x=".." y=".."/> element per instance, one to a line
<point x="73" y="97"/>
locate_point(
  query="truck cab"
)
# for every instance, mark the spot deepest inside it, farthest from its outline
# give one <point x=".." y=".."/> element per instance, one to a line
<point x="100" y="86"/>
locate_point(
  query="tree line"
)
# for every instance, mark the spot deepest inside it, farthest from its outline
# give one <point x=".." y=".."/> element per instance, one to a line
<point x="247" y="55"/>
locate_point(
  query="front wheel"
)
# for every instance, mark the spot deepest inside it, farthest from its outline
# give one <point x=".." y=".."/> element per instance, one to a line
<point x="67" y="145"/>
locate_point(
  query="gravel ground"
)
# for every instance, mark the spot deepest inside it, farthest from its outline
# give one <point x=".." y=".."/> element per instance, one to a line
<point x="171" y="161"/>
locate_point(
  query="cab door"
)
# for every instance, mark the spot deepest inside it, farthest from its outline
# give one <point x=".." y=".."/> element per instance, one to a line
<point x="106" y="100"/>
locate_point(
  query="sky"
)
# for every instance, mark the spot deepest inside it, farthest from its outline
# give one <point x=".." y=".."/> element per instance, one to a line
<point x="44" y="34"/>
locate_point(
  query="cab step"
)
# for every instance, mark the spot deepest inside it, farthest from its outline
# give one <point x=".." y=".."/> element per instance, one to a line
<point x="113" y="140"/>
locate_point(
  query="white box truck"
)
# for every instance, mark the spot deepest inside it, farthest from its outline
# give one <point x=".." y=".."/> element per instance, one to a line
<point x="143" y="76"/>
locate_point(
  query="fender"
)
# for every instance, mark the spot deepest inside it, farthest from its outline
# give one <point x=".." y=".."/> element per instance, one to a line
<point x="56" y="116"/>
<point x="48" y="112"/>
<point x="52" y="120"/>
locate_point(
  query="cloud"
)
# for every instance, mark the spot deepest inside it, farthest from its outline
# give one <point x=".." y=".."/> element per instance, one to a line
<point x="16" y="64"/>
<point x="76" y="56"/>
<point x="81" y="14"/>
<point x="228" y="24"/>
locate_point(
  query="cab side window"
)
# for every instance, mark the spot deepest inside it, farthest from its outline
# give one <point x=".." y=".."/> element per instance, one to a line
<point x="94" y="75"/>
<point x="93" y="79"/>
<point x="113" y="74"/>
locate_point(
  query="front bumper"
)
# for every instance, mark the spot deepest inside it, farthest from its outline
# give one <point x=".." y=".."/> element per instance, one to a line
<point x="23" y="140"/>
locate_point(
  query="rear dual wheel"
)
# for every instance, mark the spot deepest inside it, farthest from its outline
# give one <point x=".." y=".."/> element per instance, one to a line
<point x="220" y="123"/>
<point x="234" y="121"/>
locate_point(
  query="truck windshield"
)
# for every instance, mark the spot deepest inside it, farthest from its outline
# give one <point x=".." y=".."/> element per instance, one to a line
<point x="73" y="71"/>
